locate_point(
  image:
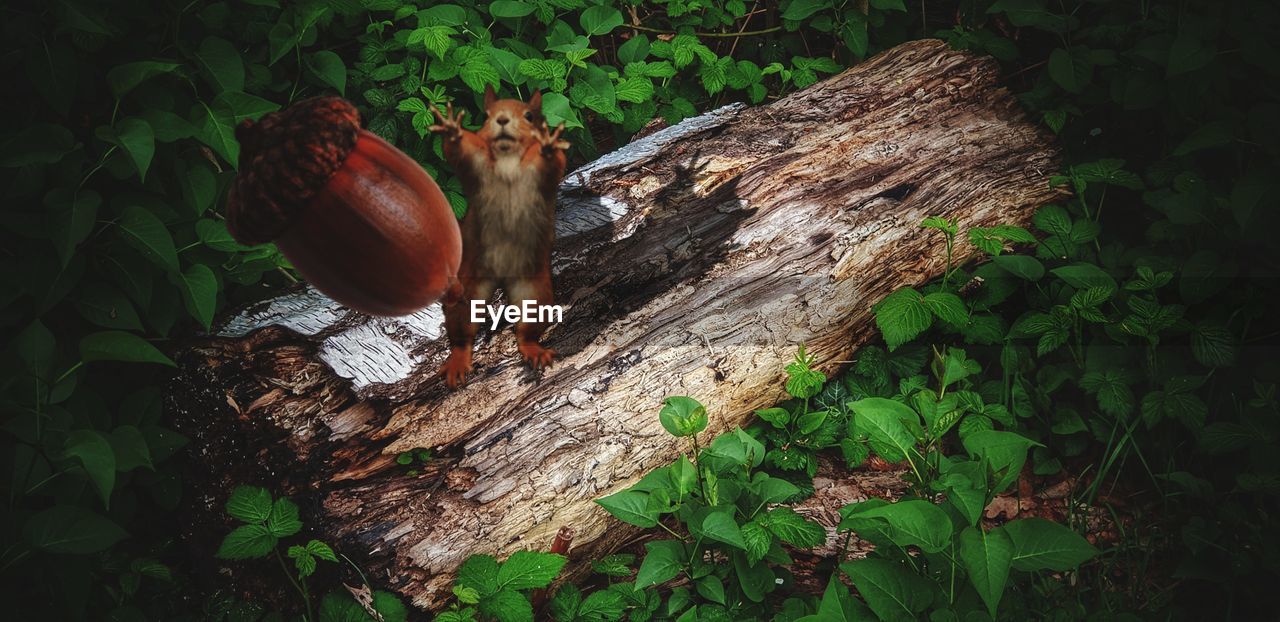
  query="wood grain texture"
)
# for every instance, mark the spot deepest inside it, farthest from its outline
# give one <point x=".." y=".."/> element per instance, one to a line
<point x="692" y="262"/>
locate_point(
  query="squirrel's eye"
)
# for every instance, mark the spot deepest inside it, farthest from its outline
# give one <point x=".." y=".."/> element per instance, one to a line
<point x="528" y="116"/>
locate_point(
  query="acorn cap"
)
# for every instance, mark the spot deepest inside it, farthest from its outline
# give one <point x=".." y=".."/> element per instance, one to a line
<point x="285" y="159"/>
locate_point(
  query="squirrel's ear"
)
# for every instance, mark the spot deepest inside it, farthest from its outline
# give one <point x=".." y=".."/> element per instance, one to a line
<point x="489" y="95"/>
<point x="535" y="102"/>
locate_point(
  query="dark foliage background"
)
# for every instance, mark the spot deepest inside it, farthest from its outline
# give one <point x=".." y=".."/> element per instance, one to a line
<point x="1134" y="337"/>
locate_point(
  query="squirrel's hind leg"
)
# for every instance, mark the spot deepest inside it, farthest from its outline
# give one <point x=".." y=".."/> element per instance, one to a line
<point x="459" y="328"/>
<point x="535" y="291"/>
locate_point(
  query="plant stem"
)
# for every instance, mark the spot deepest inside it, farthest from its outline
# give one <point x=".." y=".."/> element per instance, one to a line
<point x="302" y="590"/>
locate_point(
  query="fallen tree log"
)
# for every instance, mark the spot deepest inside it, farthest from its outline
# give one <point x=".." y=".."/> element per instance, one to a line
<point x="692" y="262"/>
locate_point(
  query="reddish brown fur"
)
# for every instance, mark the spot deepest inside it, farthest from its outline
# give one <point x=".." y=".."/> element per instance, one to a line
<point x="510" y="169"/>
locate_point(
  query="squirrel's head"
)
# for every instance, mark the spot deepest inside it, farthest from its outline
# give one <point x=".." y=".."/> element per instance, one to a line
<point x="510" y="124"/>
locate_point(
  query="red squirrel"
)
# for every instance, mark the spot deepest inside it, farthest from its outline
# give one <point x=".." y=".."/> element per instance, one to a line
<point x="510" y="169"/>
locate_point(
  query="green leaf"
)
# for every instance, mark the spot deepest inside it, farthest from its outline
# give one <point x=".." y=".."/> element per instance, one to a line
<point x="94" y="453"/>
<point x="563" y="606"/>
<point x="902" y="316"/>
<point x="1071" y="70"/>
<point x="602" y="606"/>
<point x="200" y="293"/>
<point x="40" y="143"/>
<point x="663" y="560"/>
<point x="303" y="560"/>
<point x="617" y="565"/>
<point x="329" y="70"/>
<point x="72" y="216"/>
<point x="635" y="50"/>
<point x="479" y="572"/>
<point x="1084" y="276"/>
<point x="283" y="519"/>
<point x="114" y="345"/>
<point x="630" y="507"/>
<point x="801" y="9"/>
<point x="247" y="542"/>
<point x="221" y="64"/>
<point x="507" y="606"/>
<point x="600" y="20"/>
<point x="721" y="526"/>
<point x="123" y="78"/>
<point x="986" y="558"/>
<point x="1004" y="453"/>
<point x="107" y="306"/>
<point x="947" y="307"/>
<point x="913" y="523"/>
<point x="636" y="89"/>
<point x="773" y="489"/>
<point x="138" y="141"/>
<point x="682" y="416"/>
<point x="882" y="419"/>
<point x="528" y="569"/>
<point x="146" y="233"/>
<point x="321" y="551"/>
<point x="893" y="592"/>
<point x="1022" y="266"/>
<point x="71" y="530"/>
<point x="757" y="540"/>
<point x="249" y="504"/>
<point x="794" y="529"/>
<point x="130" y="448"/>
<point x="217" y="129"/>
<point x="510" y="8"/>
<point x="243" y="105"/>
<point x="1039" y="544"/>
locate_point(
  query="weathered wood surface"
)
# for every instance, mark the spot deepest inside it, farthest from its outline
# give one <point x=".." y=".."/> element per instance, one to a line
<point x="692" y="262"/>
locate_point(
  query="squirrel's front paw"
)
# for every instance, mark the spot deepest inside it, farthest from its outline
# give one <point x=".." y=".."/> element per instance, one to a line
<point x="551" y="139"/>
<point x="456" y="367"/>
<point x="537" y="356"/>
<point x="447" y="122"/>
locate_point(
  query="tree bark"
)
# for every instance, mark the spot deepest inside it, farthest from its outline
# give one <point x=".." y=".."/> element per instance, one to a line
<point x="692" y="262"/>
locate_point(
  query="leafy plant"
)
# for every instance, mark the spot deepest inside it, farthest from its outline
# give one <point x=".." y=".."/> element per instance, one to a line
<point x="266" y="521"/>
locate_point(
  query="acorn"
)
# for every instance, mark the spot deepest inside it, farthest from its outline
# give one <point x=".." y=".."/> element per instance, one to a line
<point x="359" y="219"/>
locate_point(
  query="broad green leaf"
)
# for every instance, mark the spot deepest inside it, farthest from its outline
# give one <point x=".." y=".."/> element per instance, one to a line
<point x="200" y="293"/>
<point x="914" y="523"/>
<point x="1022" y="266"/>
<point x="1004" y="453"/>
<point x="94" y="453"/>
<point x="123" y="78"/>
<point x="221" y="64"/>
<point x="630" y="507"/>
<point x="901" y="316"/>
<point x="722" y="527"/>
<point x="528" y="569"/>
<point x="72" y="216"/>
<point x="138" y="141"/>
<point x="663" y="560"/>
<point x="757" y="540"/>
<point x="601" y="606"/>
<point x="130" y="448"/>
<point x="244" y="106"/>
<point x="71" y="530"/>
<point x="113" y="345"/>
<point x="1039" y="544"/>
<point x="247" y="542"/>
<point x="891" y="590"/>
<point x="801" y="9"/>
<point x="321" y="550"/>
<point x="600" y="20"/>
<point x="146" y="233"/>
<point x="479" y="572"/>
<point x="249" y="504"/>
<point x="510" y="8"/>
<point x="882" y="420"/>
<point x="283" y="519"/>
<point x="947" y="307"/>
<point x="683" y="416"/>
<point x="1070" y="69"/>
<point x="329" y="69"/>
<point x="986" y="558"/>
<point x="792" y="528"/>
